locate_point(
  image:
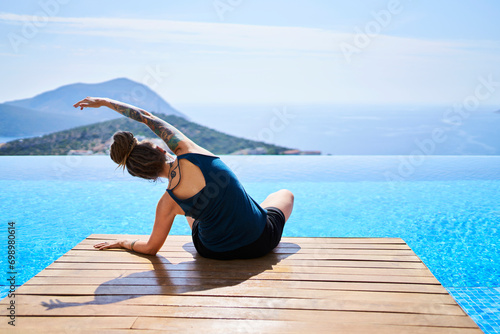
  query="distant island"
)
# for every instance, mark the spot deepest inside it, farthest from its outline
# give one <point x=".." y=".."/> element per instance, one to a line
<point x="96" y="139"/>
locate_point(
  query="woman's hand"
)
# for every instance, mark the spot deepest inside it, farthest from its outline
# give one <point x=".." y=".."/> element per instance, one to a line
<point x="90" y="102"/>
<point x="109" y="245"/>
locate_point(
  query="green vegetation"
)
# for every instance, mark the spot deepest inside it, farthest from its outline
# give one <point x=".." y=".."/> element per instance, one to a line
<point x="97" y="138"/>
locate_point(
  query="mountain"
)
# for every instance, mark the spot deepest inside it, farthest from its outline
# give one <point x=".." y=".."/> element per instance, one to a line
<point x="53" y="111"/>
<point x="96" y="139"/>
<point x="19" y="122"/>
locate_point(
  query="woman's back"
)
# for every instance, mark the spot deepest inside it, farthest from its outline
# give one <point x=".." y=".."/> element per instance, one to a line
<point x="227" y="216"/>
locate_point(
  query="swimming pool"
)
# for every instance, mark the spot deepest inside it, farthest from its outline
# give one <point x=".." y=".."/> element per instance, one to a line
<point x="446" y="208"/>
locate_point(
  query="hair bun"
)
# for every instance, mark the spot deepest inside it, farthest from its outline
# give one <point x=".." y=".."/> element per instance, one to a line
<point x="123" y="144"/>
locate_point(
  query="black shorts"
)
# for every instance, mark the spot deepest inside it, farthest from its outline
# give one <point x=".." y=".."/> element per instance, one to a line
<point x="268" y="240"/>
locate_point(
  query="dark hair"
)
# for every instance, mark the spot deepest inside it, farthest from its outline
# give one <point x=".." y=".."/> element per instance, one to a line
<point x="141" y="159"/>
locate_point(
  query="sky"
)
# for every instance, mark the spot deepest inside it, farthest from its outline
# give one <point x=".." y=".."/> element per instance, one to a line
<point x="411" y="52"/>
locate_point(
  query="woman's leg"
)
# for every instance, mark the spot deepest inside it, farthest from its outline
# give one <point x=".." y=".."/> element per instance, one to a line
<point x="282" y="199"/>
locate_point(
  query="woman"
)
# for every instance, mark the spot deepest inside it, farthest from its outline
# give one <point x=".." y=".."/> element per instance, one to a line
<point x="226" y="222"/>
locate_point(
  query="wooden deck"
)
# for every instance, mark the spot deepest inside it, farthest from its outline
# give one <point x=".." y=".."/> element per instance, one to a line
<point x="308" y="285"/>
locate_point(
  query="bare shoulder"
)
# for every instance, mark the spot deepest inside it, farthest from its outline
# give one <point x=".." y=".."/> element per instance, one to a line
<point x="192" y="147"/>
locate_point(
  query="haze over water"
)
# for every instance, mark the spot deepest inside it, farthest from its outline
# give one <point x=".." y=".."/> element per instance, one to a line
<point x="345" y="130"/>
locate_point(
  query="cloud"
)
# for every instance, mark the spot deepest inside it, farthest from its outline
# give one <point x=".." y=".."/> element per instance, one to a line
<point x="196" y="33"/>
<point x="240" y="37"/>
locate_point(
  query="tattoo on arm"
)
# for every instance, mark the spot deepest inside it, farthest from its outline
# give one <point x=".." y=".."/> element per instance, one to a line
<point x="161" y="128"/>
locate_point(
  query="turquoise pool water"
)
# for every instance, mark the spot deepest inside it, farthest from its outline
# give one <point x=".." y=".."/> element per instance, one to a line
<point x="446" y="208"/>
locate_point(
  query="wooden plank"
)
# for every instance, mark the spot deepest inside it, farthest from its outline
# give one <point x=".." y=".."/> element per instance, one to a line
<point x="263" y="326"/>
<point x="188" y="245"/>
<point x="234" y="301"/>
<point x="148" y="325"/>
<point x="179" y="251"/>
<point x="70" y="323"/>
<point x="303" y="273"/>
<point x="248" y="288"/>
<point x="226" y="265"/>
<point x="415" y="315"/>
<point x="191" y="278"/>
<point x="301" y="240"/>
<point x="229" y="291"/>
<point x="108" y="256"/>
<point x="308" y="285"/>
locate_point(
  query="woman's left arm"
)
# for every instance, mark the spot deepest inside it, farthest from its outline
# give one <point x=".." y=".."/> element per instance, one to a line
<point x="175" y="139"/>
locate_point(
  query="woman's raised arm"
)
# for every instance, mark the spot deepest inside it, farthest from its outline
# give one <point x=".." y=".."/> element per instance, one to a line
<point x="175" y="139"/>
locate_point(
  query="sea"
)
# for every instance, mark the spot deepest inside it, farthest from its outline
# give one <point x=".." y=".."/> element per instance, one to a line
<point x="360" y="130"/>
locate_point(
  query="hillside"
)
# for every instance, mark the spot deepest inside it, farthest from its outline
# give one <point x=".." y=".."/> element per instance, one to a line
<point x="19" y="121"/>
<point x="97" y="138"/>
<point x="53" y="110"/>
